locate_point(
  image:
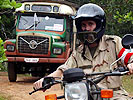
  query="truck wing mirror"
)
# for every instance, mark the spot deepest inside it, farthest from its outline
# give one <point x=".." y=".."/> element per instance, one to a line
<point x="127" y="41"/>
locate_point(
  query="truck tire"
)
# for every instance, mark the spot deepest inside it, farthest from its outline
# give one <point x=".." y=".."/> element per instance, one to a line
<point x="12" y="74"/>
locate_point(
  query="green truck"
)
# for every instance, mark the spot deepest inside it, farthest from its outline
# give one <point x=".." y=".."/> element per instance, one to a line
<point x="43" y="38"/>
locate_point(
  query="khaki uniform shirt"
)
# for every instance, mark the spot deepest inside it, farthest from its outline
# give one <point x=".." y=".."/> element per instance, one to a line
<point x="105" y="54"/>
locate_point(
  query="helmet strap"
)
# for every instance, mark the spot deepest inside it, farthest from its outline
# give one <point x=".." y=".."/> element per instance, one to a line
<point x="83" y="54"/>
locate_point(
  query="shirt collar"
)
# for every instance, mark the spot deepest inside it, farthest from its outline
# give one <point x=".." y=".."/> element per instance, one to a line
<point x="103" y="45"/>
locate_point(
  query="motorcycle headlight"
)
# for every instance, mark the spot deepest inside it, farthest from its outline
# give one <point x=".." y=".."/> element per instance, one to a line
<point x="76" y="91"/>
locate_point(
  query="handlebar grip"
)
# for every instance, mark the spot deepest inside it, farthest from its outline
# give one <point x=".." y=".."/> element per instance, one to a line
<point x="61" y="97"/>
<point x="47" y="82"/>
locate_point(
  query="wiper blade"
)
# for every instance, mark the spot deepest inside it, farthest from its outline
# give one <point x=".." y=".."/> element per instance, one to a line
<point x="36" y="22"/>
<point x="31" y="26"/>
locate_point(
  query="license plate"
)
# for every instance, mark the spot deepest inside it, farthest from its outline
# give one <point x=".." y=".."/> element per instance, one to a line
<point x="31" y="60"/>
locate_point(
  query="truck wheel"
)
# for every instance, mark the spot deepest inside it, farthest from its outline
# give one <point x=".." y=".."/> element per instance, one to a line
<point x="12" y="75"/>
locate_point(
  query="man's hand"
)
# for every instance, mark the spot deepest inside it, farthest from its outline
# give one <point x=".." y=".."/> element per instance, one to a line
<point x="130" y="67"/>
<point x="38" y="84"/>
<point x="43" y="83"/>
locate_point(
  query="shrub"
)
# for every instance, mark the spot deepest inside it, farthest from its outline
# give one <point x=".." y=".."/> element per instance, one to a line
<point x="2" y="54"/>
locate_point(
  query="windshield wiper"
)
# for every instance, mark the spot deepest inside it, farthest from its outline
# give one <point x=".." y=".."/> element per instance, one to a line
<point x="31" y="26"/>
<point x="36" y="22"/>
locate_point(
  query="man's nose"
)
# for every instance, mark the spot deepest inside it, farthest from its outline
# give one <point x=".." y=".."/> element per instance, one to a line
<point x="87" y="28"/>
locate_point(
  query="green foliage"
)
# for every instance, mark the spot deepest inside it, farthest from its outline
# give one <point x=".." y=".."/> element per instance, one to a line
<point x="7" y="18"/>
<point x="78" y="2"/>
<point x="125" y="21"/>
<point x="3" y="66"/>
<point x="127" y="83"/>
<point x="15" y="5"/>
<point x="7" y="23"/>
<point x="2" y="52"/>
<point x="124" y="18"/>
<point x="119" y="15"/>
<point x="4" y="4"/>
<point x="2" y="98"/>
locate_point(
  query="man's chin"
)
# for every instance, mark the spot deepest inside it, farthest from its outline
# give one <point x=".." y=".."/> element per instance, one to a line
<point x="92" y="45"/>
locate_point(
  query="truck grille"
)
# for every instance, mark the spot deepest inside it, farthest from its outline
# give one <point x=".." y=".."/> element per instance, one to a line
<point x="33" y="44"/>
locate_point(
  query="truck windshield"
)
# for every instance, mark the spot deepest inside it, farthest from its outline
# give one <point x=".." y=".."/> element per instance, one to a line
<point x="51" y="23"/>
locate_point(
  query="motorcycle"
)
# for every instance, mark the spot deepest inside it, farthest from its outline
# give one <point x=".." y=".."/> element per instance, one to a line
<point x="80" y="86"/>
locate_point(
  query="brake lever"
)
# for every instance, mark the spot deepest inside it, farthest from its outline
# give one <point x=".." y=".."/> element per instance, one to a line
<point x="35" y="90"/>
<point x="45" y="87"/>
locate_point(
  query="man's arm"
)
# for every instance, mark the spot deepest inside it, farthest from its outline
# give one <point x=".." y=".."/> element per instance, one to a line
<point x="130" y="67"/>
<point x="127" y="58"/>
<point x="59" y="72"/>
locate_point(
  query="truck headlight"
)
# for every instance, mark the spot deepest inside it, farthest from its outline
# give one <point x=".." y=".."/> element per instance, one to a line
<point x="76" y="91"/>
<point x="10" y="48"/>
<point x="57" y="51"/>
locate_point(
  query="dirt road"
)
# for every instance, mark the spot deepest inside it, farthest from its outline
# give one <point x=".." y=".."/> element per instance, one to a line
<point x="20" y="90"/>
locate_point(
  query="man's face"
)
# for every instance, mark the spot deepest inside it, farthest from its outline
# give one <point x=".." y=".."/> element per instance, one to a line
<point x="88" y="25"/>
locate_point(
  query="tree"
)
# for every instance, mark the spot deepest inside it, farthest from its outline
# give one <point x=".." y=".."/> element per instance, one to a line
<point x="7" y="8"/>
<point x="119" y="14"/>
<point x="2" y="54"/>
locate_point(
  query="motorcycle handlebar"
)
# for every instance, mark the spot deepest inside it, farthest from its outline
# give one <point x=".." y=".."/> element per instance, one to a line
<point x="120" y="71"/>
<point x="45" y="87"/>
<point x="117" y="72"/>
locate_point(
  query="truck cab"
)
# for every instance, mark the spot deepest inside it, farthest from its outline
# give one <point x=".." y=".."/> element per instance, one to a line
<point x="43" y="38"/>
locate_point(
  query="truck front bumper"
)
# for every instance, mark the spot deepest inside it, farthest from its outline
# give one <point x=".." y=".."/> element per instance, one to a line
<point x="36" y="60"/>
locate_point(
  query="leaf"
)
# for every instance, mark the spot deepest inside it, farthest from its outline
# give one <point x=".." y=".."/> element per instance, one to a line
<point x="6" y="6"/>
<point x="13" y="3"/>
<point x="116" y="17"/>
<point x="117" y="12"/>
<point x="2" y="52"/>
<point x="18" y="5"/>
<point x="120" y="20"/>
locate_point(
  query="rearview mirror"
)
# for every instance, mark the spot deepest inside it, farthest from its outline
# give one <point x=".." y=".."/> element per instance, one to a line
<point x="127" y="41"/>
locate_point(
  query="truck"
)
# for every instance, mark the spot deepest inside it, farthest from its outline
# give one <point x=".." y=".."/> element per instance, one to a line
<point x="43" y="38"/>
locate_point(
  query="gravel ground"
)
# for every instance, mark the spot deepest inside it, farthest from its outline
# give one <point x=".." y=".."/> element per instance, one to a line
<point x="20" y="90"/>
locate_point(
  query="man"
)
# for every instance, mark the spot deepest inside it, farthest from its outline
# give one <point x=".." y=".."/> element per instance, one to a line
<point x="96" y="51"/>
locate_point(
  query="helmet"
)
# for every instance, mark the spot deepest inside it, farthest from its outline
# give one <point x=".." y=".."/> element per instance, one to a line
<point x="91" y="12"/>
